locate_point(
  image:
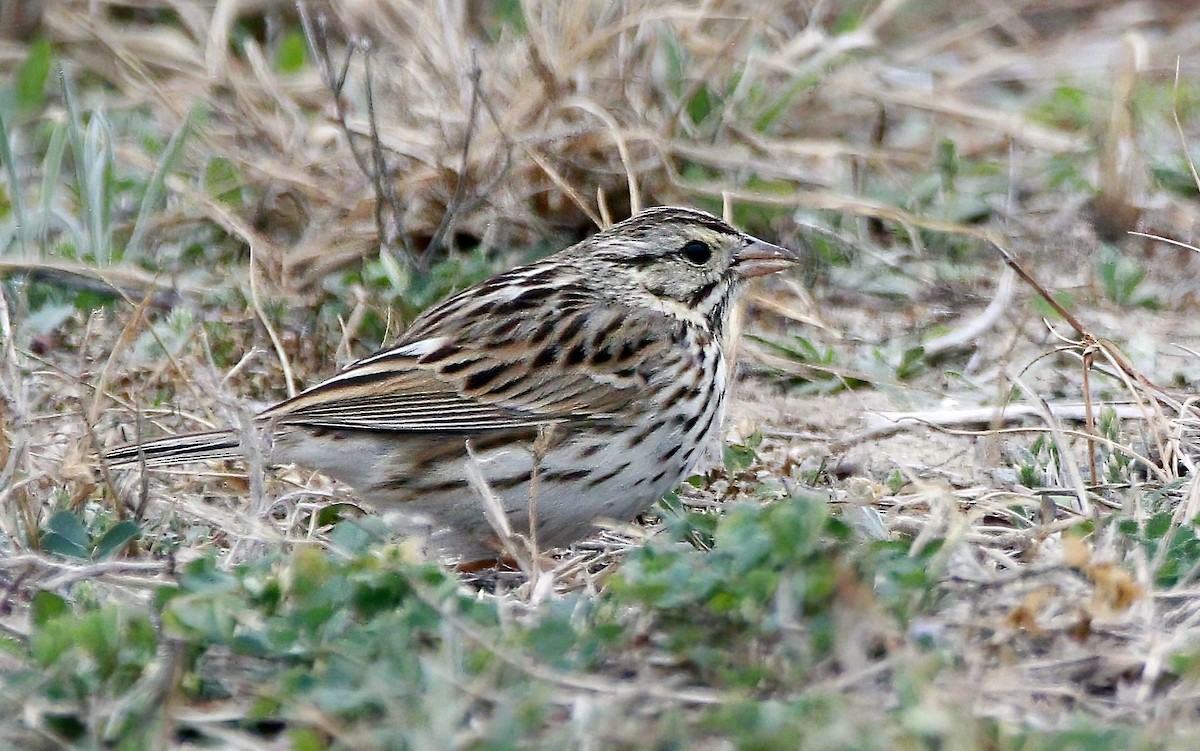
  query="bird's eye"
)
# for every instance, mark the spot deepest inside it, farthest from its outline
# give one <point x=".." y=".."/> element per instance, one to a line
<point x="696" y="252"/>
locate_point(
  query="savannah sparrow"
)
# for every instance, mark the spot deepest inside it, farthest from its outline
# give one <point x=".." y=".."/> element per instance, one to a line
<point x="601" y="370"/>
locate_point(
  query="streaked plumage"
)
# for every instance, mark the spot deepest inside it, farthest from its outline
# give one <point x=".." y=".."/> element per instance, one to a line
<point x="615" y="347"/>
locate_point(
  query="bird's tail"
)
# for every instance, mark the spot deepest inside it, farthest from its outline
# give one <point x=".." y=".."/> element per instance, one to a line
<point x="176" y="449"/>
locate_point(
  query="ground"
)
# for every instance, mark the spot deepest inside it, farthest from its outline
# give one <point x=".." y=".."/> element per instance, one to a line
<point x="948" y="514"/>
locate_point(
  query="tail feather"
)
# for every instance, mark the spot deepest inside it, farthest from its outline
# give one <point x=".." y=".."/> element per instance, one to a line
<point x="177" y="449"/>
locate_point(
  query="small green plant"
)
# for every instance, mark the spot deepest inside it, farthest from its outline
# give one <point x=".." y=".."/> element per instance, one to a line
<point x="29" y="86"/>
<point x="702" y="600"/>
<point x="291" y="52"/>
<point x="223" y="182"/>
<point x="1118" y="464"/>
<point x="912" y="364"/>
<point x="18" y="102"/>
<point x="89" y="656"/>
<point x="68" y="535"/>
<point x="1067" y="107"/>
<point x="1064" y="173"/>
<point x="772" y="567"/>
<point x="1037" y="465"/>
<point x="947" y="163"/>
<point x="1120" y="277"/>
<point x="739" y="456"/>
<point x="1174" y="547"/>
<point x="1176" y="178"/>
<point x="821" y="375"/>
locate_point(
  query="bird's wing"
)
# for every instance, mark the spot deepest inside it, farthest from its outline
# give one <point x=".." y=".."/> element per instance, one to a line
<point x="499" y="372"/>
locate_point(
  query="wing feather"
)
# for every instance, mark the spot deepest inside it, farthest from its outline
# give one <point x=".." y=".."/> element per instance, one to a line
<point x="467" y="382"/>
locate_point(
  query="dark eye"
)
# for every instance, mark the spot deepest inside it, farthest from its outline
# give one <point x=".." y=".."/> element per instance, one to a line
<point x="696" y="251"/>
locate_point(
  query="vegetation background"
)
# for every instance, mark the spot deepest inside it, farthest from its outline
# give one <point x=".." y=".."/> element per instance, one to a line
<point x="956" y="510"/>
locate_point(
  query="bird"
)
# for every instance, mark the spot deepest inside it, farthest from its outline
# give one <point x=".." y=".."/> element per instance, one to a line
<point x="580" y="387"/>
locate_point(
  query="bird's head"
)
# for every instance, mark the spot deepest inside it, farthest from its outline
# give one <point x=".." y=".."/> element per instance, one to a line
<point x="685" y="262"/>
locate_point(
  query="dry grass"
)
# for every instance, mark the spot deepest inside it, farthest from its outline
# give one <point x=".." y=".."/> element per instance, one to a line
<point x="460" y="132"/>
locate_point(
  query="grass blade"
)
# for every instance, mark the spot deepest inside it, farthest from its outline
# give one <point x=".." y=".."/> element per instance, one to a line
<point x="154" y="188"/>
<point x="51" y="171"/>
<point x="10" y="167"/>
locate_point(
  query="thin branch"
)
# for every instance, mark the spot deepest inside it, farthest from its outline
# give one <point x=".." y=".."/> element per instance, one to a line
<point x="385" y="189"/>
<point x="375" y="169"/>
<point x="1013" y="264"/>
<point x="457" y="200"/>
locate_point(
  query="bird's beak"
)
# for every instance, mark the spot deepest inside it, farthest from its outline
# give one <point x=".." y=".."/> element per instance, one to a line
<point x="758" y="258"/>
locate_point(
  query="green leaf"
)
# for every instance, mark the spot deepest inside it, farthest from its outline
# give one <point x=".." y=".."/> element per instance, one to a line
<point x="203" y="576"/>
<point x="67" y="536"/>
<point x="701" y="105"/>
<point x="52" y="164"/>
<point x="912" y="363"/>
<point x="10" y="167"/>
<point x="53" y="640"/>
<point x="847" y="22"/>
<point x="553" y="639"/>
<point x="31" y="76"/>
<point x="676" y="60"/>
<point x="305" y="739"/>
<point x="222" y="181"/>
<point x="52" y="542"/>
<point x="350" y="536"/>
<point x="154" y="188"/>
<point x="115" y="539"/>
<point x="47" y="606"/>
<point x="947" y="161"/>
<point x="1177" y="179"/>
<point x="337" y="512"/>
<point x="202" y="618"/>
<point x="1158" y="526"/>
<point x="292" y="53"/>
<point x="510" y="13"/>
<point x="1068" y="107"/>
<point x="783" y="102"/>
<point x="738" y="458"/>
<point x="69" y="526"/>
